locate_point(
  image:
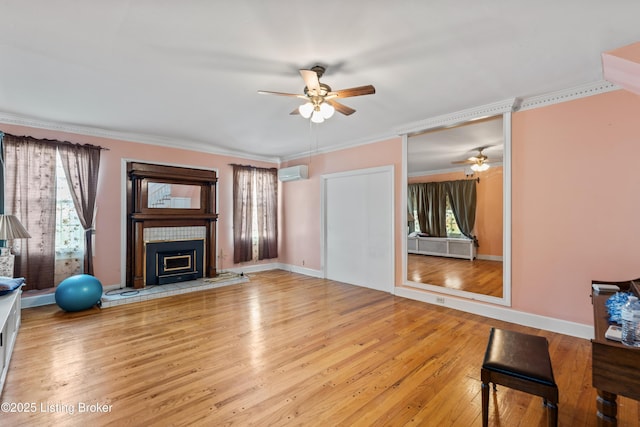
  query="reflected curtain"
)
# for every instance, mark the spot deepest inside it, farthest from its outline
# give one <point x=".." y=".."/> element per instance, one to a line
<point x="412" y="200"/>
<point x="81" y="164"/>
<point x="412" y="191"/>
<point x="266" y="192"/>
<point x="30" y="194"/>
<point x="462" y="198"/>
<point x="429" y="201"/>
<point x="242" y="213"/>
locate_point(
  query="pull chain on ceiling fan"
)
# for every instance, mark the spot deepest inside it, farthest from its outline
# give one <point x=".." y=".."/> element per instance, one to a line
<point x="320" y="99"/>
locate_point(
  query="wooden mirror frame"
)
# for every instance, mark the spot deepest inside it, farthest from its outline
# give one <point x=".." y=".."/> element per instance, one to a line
<point x="140" y="216"/>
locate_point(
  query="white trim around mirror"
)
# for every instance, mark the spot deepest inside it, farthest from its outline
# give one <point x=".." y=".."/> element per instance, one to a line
<point x="503" y="108"/>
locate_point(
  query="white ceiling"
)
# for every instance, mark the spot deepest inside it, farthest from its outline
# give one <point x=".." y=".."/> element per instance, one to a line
<point x="187" y="72"/>
<point x="434" y="151"/>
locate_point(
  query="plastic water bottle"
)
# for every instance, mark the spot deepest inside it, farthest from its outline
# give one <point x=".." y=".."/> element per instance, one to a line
<point x="631" y="322"/>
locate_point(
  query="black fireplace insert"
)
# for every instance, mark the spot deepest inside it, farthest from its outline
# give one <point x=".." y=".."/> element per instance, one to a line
<point x="173" y="261"/>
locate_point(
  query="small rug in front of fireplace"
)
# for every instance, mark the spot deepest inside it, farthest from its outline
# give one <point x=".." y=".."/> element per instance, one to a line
<point x="117" y="297"/>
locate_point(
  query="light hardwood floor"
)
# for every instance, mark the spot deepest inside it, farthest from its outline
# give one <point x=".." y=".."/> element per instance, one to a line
<point x="282" y="349"/>
<point x="477" y="276"/>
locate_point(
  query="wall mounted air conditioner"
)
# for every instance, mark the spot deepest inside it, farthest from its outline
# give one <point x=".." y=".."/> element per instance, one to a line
<point x="293" y="173"/>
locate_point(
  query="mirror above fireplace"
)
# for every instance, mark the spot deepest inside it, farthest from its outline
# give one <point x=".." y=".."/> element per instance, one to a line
<point x="165" y="195"/>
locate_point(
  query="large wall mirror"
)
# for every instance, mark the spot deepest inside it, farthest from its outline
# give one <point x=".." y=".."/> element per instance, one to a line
<point x="458" y="239"/>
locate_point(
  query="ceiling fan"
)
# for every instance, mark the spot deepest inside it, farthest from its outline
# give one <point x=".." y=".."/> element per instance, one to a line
<point x="478" y="163"/>
<point x="320" y="99"/>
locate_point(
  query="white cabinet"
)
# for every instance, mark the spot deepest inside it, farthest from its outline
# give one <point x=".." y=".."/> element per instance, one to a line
<point x="9" y="324"/>
<point x="442" y="246"/>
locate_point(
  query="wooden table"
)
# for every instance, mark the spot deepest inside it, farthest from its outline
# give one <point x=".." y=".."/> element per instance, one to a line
<point x="616" y="367"/>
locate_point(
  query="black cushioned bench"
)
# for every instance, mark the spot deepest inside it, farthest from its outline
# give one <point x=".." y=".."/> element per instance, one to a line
<point x="521" y="362"/>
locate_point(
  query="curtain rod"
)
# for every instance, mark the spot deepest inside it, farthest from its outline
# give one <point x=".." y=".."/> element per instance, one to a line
<point x="250" y="166"/>
<point x="55" y="141"/>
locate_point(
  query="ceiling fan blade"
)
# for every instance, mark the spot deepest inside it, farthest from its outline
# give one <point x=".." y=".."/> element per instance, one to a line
<point x="341" y="108"/>
<point x="294" y="112"/>
<point x="463" y="162"/>
<point x="310" y="78"/>
<point x="267" y="92"/>
<point x="356" y="91"/>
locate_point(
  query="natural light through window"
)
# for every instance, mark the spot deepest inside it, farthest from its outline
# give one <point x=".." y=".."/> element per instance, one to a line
<point x="69" y="231"/>
<point x="452" y="226"/>
<point x="450" y="221"/>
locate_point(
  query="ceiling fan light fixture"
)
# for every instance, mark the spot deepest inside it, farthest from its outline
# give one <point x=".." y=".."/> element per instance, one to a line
<point x="316" y="117"/>
<point x="327" y="110"/>
<point x="320" y="98"/>
<point x="305" y="110"/>
<point x="479" y="167"/>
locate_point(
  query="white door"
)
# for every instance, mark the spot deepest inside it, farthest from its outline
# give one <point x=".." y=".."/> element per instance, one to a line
<point x="358" y="227"/>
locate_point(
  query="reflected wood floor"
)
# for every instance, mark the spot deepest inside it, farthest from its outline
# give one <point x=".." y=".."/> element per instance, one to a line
<point x="281" y="349"/>
<point x="477" y="276"/>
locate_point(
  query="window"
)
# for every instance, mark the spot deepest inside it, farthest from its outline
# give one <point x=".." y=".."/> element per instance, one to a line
<point x="452" y="226"/>
<point x="450" y="221"/>
<point x="44" y="205"/>
<point x="69" y="231"/>
<point x="255" y="213"/>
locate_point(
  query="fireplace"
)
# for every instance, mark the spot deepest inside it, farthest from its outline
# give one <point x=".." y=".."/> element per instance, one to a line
<point x="173" y="261"/>
<point x="177" y="200"/>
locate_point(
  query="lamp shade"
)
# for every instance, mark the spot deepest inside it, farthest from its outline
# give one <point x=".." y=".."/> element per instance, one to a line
<point x="305" y="110"/>
<point x="11" y="228"/>
<point x="316" y="117"/>
<point x="326" y="110"/>
<point x="479" y="167"/>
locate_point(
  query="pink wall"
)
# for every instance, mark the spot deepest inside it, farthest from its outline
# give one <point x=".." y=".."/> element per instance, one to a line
<point x="489" y="222"/>
<point x="301" y="199"/>
<point x="576" y="201"/>
<point x="109" y="239"/>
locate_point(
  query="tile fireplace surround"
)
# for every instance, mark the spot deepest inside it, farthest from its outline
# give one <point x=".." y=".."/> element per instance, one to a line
<point x="160" y="234"/>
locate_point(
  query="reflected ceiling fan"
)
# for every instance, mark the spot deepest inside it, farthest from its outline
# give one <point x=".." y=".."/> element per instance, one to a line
<point x="478" y="163"/>
<point x="320" y="99"/>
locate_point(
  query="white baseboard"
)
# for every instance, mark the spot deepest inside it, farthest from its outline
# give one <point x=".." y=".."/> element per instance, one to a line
<point x="38" y="300"/>
<point x="48" y="299"/>
<point x="246" y="269"/>
<point x="500" y="313"/>
<point x="303" y="270"/>
<point x="277" y="266"/>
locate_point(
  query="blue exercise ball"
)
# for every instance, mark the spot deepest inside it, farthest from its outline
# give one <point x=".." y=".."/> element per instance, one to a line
<point x="77" y="293"/>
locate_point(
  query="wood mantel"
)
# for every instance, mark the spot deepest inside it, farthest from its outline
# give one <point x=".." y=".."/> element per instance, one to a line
<point x="141" y="215"/>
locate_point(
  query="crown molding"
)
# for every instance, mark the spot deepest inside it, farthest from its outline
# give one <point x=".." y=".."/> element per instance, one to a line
<point x="565" y="95"/>
<point x="508" y="105"/>
<point x="452" y="119"/>
<point x="18" y="120"/>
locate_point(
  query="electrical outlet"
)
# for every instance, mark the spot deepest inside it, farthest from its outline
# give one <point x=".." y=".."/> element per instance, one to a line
<point x="440" y="300"/>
